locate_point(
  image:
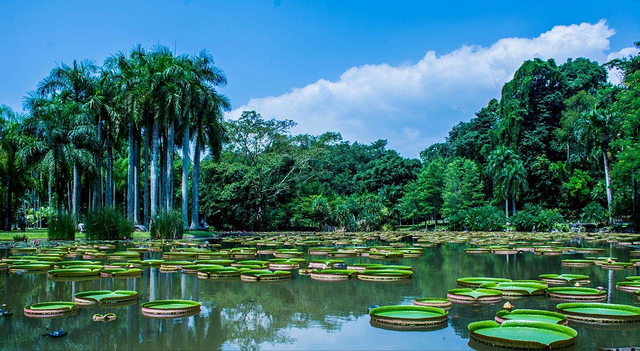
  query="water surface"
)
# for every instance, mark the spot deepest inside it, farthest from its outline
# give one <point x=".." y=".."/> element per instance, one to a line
<point x="301" y="314"/>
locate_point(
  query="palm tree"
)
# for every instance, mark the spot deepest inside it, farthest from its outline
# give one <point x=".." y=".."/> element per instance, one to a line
<point x="105" y="108"/>
<point x="209" y="131"/>
<point x="60" y="140"/>
<point x="198" y="79"/>
<point x="74" y="84"/>
<point x="509" y="176"/>
<point x="10" y="144"/>
<point x="601" y="127"/>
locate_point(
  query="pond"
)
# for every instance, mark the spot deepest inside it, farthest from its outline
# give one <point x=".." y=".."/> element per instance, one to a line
<point x="300" y="314"/>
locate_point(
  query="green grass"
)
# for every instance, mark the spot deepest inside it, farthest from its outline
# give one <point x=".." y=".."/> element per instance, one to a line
<point x="40" y="234"/>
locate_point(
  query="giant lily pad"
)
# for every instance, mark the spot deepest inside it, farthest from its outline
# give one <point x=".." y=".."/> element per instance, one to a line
<point x="409" y="316"/>
<point x="576" y="294"/>
<point x="477" y="281"/>
<point x="88" y="298"/>
<point x="629" y="285"/>
<point x="440" y="302"/>
<point x="50" y="309"/>
<point x="523" y="334"/>
<point x="388" y="275"/>
<point x="600" y="312"/>
<point x="517" y="288"/>
<point x="531" y="315"/>
<point x="564" y="279"/>
<point x="472" y="296"/>
<point x="170" y="308"/>
<point x="264" y="275"/>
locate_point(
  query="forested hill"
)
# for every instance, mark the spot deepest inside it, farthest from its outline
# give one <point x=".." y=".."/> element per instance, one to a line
<point x="560" y="145"/>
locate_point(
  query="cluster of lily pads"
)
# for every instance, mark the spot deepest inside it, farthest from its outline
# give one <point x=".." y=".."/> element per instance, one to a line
<point x="525" y="328"/>
<point x="511" y="328"/>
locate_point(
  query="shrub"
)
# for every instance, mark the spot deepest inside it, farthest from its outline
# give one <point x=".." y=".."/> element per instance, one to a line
<point x="62" y="227"/>
<point x="534" y="215"/>
<point x="167" y="225"/>
<point x="20" y="237"/>
<point x="484" y="218"/>
<point x="107" y="224"/>
<point x="594" y="213"/>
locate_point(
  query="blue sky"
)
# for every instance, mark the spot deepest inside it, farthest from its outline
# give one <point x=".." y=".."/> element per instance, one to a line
<point x="405" y="71"/>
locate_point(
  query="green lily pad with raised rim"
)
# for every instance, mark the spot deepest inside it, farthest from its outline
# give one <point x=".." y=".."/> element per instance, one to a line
<point x="560" y="279"/>
<point x="440" y="302"/>
<point x="170" y="308"/>
<point x="264" y="275"/>
<point x="578" y="263"/>
<point x="523" y="334"/>
<point x="409" y="316"/>
<point x="576" y="293"/>
<point x="593" y="312"/>
<point x="50" y="309"/>
<point x="517" y="288"/>
<point x="74" y="272"/>
<point x="531" y="315"/>
<point x="104" y="297"/>
<point x="468" y="295"/>
<point x="477" y="281"/>
<point x="629" y="285"/>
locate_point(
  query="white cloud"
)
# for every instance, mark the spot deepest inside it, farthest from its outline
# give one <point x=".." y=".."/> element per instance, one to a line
<point x="615" y="76"/>
<point x="415" y="105"/>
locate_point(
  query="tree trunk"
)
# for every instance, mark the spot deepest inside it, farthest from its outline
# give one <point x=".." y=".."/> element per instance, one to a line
<point x="154" y="169"/>
<point x="513" y="205"/>
<point x="49" y="192"/>
<point x="195" y="179"/>
<point x="634" y="199"/>
<point x="506" y="207"/>
<point x="146" y="177"/>
<point x="607" y="176"/>
<point x="131" y="178"/>
<point x="162" y="173"/>
<point x="109" y="194"/>
<point x="8" y="200"/>
<point x="185" y="177"/>
<point x="97" y="188"/>
<point x="75" y="200"/>
<point x="136" y="180"/>
<point x="169" y="165"/>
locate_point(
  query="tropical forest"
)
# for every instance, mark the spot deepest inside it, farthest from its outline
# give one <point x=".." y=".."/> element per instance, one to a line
<point x="143" y="137"/>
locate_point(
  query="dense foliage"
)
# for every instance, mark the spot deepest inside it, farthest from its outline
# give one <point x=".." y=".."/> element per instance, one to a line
<point x="62" y="227"/>
<point x="107" y="224"/>
<point x="145" y="131"/>
<point x="167" y="225"/>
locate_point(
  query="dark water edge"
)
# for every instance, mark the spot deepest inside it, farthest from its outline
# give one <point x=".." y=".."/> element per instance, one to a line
<point x="301" y="314"/>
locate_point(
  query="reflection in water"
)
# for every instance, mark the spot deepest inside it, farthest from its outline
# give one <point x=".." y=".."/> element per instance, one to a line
<point x="300" y="314"/>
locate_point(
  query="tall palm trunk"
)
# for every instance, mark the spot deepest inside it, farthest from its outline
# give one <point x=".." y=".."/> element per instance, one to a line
<point x="506" y="207"/>
<point x="154" y="169"/>
<point x="169" y="164"/>
<point x="162" y="174"/>
<point x="131" y="178"/>
<point x="513" y="205"/>
<point x="8" y="200"/>
<point x="607" y="176"/>
<point x="146" y="178"/>
<point x="75" y="199"/>
<point x="196" y="182"/>
<point x="97" y="186"/>
<point x="185" y="176"/>
<point x="49" y="191"/>
<point x="108" y="194"/>
<point x="136" y="180"/>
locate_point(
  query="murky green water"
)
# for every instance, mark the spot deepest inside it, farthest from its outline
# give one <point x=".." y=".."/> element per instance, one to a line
<point x="301" y="314"/>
